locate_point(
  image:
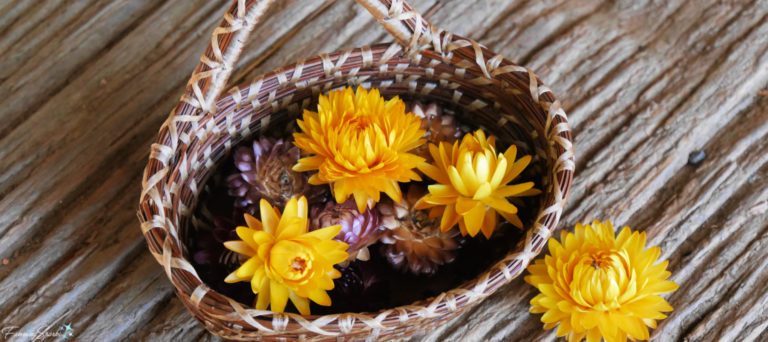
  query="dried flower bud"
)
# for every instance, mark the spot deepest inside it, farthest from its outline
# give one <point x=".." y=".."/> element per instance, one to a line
<point x="438" y="126"/>
<point x="210" y="244"/>
<point x="266" y="172"/>
<point x="413" y="240"/>
<point x="213" y="261"/>
<point x="358" y="230"/>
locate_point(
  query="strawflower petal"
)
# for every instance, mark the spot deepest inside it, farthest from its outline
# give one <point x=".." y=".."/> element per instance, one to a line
<point x="301" y="303"/>
<point x="239" y="247"/>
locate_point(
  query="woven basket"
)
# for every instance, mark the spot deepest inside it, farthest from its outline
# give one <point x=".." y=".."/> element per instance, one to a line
<point x="425" y="63"/>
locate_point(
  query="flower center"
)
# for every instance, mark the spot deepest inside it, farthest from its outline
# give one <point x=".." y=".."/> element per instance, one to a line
<point x="419" y="220"/>
<point x="601" y="260"/>
<point x="599" y="279"/>
<point x="285" y="182"/>
<point x="475" y="148"/>
<point x="290" y="260"/>
<point x="299" y="264"/>
<point x="360" y="122"/>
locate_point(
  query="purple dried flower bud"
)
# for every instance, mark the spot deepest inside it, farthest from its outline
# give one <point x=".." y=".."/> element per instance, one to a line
<point x="214" y="262"/>
<point x="358" y="230"/>
<point x="266" y="171"/>
<point x="210" y="244"/>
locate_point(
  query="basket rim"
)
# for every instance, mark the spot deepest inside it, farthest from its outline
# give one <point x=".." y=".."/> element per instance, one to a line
<point x="500" y="273"/>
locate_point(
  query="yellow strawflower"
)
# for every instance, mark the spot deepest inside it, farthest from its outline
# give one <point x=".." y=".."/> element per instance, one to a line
<point x="284" y="260"/>
<point x="596" y="285"/>
<point x="473" y="184"/>
<point x="359" y="144"/>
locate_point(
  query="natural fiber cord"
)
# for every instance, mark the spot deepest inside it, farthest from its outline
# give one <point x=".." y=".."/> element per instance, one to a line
<point x="425" y="63"/>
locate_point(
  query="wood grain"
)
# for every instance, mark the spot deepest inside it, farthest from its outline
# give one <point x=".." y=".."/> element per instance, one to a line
<point x="87" y="83"/>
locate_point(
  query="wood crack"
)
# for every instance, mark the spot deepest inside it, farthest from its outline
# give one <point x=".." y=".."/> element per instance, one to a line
<point x="525" y="59"/>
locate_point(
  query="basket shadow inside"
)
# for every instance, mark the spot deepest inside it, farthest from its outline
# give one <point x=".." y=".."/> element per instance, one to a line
<point x="393" y="287"/>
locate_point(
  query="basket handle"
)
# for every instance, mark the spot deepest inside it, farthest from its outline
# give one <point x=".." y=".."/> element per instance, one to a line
<point x="406" y="24"/>
<point x="211" y="75"/>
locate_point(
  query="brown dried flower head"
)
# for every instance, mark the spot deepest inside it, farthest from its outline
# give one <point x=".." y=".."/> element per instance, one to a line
<point x="413" y="240"/>
<point x="438" y="125"/>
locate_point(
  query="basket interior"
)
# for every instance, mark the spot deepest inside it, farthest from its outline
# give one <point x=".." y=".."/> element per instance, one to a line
<point x="272" y="102"/>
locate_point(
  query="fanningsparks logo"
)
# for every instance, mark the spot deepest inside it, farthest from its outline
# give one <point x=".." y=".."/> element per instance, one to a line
<point x="63" y="332"/>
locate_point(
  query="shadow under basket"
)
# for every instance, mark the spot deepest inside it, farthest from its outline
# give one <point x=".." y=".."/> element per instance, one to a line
<point x="426" y="64"/>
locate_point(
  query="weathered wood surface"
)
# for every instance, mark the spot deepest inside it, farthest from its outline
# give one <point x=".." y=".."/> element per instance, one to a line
<point x="86" y="84"/>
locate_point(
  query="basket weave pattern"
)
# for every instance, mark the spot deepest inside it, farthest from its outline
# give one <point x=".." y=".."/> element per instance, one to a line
<point x="425" y="62"/>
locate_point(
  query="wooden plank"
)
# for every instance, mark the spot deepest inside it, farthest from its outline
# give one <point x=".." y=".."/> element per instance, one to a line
<point x="68" y="223"/>
<point x="87" y="83"/>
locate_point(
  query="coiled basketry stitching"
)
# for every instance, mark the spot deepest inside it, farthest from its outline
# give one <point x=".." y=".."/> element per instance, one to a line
<point x="424" y="62"/>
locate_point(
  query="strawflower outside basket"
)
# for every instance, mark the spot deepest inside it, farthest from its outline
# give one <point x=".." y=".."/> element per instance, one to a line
<point x="423" y="63"/>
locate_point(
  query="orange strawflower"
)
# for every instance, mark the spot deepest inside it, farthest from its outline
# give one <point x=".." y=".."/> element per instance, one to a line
<point x="359" y="144"/>
<point x="284" y="260"/>
<point x="473" y="184"/>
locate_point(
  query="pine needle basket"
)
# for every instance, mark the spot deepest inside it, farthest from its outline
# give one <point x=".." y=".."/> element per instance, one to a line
<point x="424" y="62"/>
